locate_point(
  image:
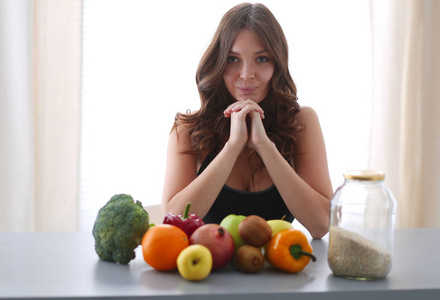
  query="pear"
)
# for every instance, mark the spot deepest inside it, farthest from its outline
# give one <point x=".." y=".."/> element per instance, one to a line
<point x="278" y="224"/>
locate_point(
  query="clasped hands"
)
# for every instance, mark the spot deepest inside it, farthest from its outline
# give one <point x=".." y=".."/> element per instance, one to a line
<point x="246" y="124"/>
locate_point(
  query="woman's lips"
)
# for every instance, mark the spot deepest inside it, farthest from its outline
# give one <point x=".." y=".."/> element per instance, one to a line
<point x="246" y="89"/>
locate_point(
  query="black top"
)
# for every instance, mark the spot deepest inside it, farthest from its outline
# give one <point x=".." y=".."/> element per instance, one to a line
<point x="267" y="204"/>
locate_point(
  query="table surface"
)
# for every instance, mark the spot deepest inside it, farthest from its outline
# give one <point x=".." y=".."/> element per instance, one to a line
<point x="65" y="265"/>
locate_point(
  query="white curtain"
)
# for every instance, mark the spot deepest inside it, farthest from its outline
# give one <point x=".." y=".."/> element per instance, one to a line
<point x="16" y="144"/>
<point x="405" y="138"/>
<point x="40" y="76"/>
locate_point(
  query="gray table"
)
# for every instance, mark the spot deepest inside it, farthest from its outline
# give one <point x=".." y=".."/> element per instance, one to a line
<point x="65" y="266"/>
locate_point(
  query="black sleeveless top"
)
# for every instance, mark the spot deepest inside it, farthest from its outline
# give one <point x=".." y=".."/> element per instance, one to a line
<point x="267" y="204"/>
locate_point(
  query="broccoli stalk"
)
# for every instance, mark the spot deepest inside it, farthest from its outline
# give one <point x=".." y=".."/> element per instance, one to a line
<point x="119" y="229"/>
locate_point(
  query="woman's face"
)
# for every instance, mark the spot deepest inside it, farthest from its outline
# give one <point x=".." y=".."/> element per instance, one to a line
<point x="249" y="68"/>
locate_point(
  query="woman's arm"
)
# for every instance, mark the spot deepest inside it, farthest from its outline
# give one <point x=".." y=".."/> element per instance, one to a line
<point x="182" y="184"/>
<point x="306" y="188"/>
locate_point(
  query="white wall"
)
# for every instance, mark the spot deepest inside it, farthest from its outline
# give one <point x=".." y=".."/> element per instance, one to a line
<point x="140" y="59"/>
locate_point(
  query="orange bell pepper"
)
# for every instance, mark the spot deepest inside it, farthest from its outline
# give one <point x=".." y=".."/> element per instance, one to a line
<point x="289" y="251"/>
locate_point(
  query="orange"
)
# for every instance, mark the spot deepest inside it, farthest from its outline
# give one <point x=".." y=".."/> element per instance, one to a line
<point x="161" y="245"/>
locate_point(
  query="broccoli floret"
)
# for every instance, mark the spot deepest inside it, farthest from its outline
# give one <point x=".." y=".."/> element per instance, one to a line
<point x="119" y="229"/>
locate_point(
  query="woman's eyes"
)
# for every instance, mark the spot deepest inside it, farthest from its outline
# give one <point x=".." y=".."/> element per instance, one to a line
<point x="232" y="59"/>
<point x="263" y="59"/>
<point x="260" y="59"/>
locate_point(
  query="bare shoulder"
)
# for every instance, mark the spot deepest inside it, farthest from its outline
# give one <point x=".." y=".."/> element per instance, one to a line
<point x="307" y="116"/>
<point x="311" y="138"/>
<point x="180" y="137"/>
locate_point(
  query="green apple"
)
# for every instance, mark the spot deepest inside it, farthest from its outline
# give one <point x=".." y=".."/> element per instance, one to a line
<point x="230" y="223"/>
<point x="278" y="225"/>
<point x="194" y="262"/>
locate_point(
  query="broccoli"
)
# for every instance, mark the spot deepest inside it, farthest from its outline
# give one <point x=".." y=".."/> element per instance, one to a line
<point x="119" y="229"/>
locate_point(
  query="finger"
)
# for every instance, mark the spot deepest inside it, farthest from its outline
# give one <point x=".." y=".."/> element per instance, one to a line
<point x="254" y="114"/>
<point x="253" y="107"/>
<point x="244" y="111"/>
<point x="248" y="110"/>
<point x="228" y="111"/>
<point x="248" y="103"/>
<point x="240" y="105"/>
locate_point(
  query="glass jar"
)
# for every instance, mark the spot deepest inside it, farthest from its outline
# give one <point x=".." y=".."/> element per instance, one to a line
<point x="362" y="220"/>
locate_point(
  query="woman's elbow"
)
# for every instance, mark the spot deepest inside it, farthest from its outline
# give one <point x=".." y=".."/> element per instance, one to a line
<point x="165" y="205"/>
<point x="319" y="233"/>
<point x="320" y="229"/>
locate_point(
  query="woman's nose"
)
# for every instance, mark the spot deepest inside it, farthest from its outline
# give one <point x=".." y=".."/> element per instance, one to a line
<point x="247" y="71"/>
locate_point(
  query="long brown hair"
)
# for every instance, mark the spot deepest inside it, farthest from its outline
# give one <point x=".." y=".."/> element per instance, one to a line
<point x="208" y="128"/>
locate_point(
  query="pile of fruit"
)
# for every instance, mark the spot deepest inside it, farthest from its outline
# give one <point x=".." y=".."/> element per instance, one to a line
<point x="195" y="249"/>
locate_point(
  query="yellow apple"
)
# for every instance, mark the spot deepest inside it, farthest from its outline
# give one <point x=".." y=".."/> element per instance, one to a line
<point x="194" y="262"/>
<point x="278" y="225"/>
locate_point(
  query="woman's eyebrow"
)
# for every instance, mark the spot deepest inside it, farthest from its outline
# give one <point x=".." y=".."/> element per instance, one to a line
<point x="261" y="51"/>
<point x="256" y="53"/>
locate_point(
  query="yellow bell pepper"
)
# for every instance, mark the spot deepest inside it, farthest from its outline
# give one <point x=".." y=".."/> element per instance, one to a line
<point x="289" y="251"/>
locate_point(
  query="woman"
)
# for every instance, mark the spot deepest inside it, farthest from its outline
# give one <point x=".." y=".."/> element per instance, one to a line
<point x="249" y="149"/>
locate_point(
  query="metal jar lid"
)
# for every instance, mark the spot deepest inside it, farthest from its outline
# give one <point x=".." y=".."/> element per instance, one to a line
<point x="365" y="175"/>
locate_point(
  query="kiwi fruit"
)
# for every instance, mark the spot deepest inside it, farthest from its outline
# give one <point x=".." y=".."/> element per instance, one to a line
<point x="255" y="231"/>
<point x="248" y="259"/>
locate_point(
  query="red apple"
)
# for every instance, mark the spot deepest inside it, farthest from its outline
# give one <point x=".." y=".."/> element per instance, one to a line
<point x="218" y="240"/>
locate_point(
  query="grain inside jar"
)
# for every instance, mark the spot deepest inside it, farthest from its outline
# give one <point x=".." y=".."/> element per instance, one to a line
<point x="354" y="256"/>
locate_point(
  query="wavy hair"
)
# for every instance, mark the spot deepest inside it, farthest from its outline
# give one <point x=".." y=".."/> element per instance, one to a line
<point x="208" y="128"/>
